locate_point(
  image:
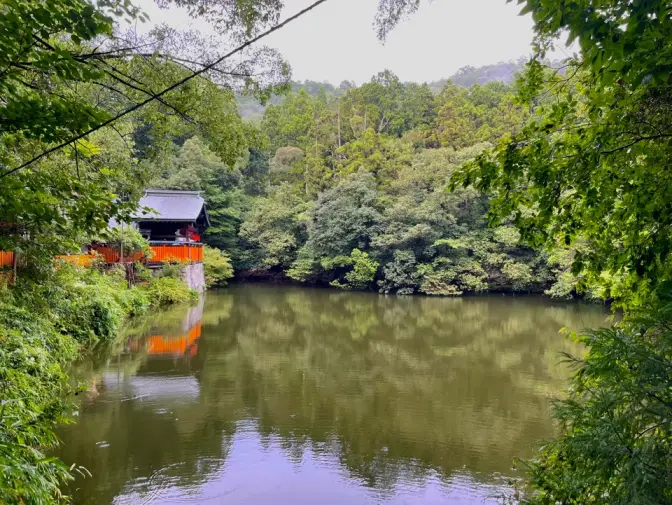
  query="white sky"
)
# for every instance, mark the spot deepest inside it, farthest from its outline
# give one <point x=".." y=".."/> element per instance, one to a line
<point x="337" y="40"/>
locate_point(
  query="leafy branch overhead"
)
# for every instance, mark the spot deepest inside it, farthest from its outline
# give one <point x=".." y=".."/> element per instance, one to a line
<point x="591" y="165"/>
<point x="64" y="48"/>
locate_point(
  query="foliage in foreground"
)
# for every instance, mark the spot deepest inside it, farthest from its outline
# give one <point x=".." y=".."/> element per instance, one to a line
<point x="616" y="444"/>
<point x="33" y="355"/>
<point x="43" y="326"/>
<point x="67" y="70"/>
<point x="589" y="174"/>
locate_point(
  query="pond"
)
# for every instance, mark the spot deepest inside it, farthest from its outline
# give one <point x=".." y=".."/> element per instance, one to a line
<point x="284" y="395"/>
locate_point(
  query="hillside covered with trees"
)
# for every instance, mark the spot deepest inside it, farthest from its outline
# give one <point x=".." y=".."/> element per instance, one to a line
<point x="252" y="109"/>
<point x="350" y="187"/>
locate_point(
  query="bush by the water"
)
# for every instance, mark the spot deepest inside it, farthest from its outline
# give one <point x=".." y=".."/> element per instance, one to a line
<point x="33" y="354"/>
<point x="218" y="268"/>
<point x="169" y="290"/>
<point x="86" y="304"/>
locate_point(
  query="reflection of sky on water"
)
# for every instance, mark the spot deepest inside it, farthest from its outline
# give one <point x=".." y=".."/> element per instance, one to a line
<point x="258" y="471"/>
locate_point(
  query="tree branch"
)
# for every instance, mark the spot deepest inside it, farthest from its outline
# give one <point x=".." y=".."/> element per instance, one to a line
<point x="635" y="141"/>
<point x="149" y="93"/>
<point x="166" y="90"/>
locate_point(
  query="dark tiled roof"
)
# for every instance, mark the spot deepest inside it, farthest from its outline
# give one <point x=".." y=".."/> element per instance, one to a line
<point x="170" y="205"/>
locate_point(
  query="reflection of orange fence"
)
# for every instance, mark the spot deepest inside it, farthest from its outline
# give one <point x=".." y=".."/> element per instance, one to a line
<point x="184" y="344"/>
<point x="161" y="253"/>
<point x="6" y="259"/>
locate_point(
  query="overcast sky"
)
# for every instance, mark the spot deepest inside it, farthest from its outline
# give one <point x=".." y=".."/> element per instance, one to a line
<point x="337" y="40"/>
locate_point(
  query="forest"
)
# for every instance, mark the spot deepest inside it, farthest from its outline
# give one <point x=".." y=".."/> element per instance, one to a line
<point x="557" y="182"/>
<point x="350" y="187"/>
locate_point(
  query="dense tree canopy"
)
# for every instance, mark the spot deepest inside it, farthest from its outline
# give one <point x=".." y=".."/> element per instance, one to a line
<point x="349" y="188"/>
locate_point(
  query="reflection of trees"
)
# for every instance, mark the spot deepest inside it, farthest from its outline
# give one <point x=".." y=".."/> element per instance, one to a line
<point x="392" y="387"/>
<point x="443" y="382"/>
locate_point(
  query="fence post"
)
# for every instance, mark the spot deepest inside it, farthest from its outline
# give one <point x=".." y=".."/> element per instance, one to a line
<point x="14" y="267"/>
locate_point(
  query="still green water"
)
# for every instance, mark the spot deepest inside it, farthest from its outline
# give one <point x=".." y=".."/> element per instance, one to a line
<point x="281" y="395"/>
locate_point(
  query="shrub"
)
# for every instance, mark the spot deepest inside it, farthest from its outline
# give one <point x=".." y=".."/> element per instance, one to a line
<point x="168" y="291"/>
<point x="437" y="281"/>
<point x="304" y="267"/>
<point x="172" y="270"/>
<point x="362" y="274"/>
<point x="217" y="264"/>
<point x="401" y="274"/>
<point x="507" y="236"/>
<point x="32" y="356"/>
<point x="616" y="443"/>
<point x="87" y="304"/>
<point x="519" y="274"/>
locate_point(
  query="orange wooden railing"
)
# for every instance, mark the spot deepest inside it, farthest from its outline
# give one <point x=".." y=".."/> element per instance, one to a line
<point x="6" y="258"/>
<point x="161" y="253"/>
<point x="82" y="260"/>
<point x="177" y="253"/>
<point x="112" y="255"/>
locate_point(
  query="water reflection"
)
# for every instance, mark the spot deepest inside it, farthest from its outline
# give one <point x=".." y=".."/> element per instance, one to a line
<point x="294" y="396"/>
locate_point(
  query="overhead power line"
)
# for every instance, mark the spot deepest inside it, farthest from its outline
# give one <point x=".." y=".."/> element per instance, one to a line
<point x="157" y="96"/>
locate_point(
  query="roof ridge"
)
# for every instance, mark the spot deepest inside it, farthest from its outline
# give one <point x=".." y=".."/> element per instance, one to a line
<point x="176" y="192"/>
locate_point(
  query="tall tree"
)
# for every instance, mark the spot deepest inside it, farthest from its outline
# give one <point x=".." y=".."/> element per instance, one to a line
<point x="346" y="217"/>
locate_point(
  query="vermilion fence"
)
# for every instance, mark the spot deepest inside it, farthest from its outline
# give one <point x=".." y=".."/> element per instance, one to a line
<point x="176" y="253"/>
<point x="6" y="259"/>
<point x="113" y="255"/>
<point x="161" y="253"/>
<point x="82" y="260"/>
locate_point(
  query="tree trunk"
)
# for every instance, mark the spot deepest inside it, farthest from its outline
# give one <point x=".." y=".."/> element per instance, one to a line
<point x="121" y="245"/>
<point x="339" y="122"/>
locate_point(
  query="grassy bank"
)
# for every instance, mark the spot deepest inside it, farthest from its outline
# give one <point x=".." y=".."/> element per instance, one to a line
<point x="44" y="326"/>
